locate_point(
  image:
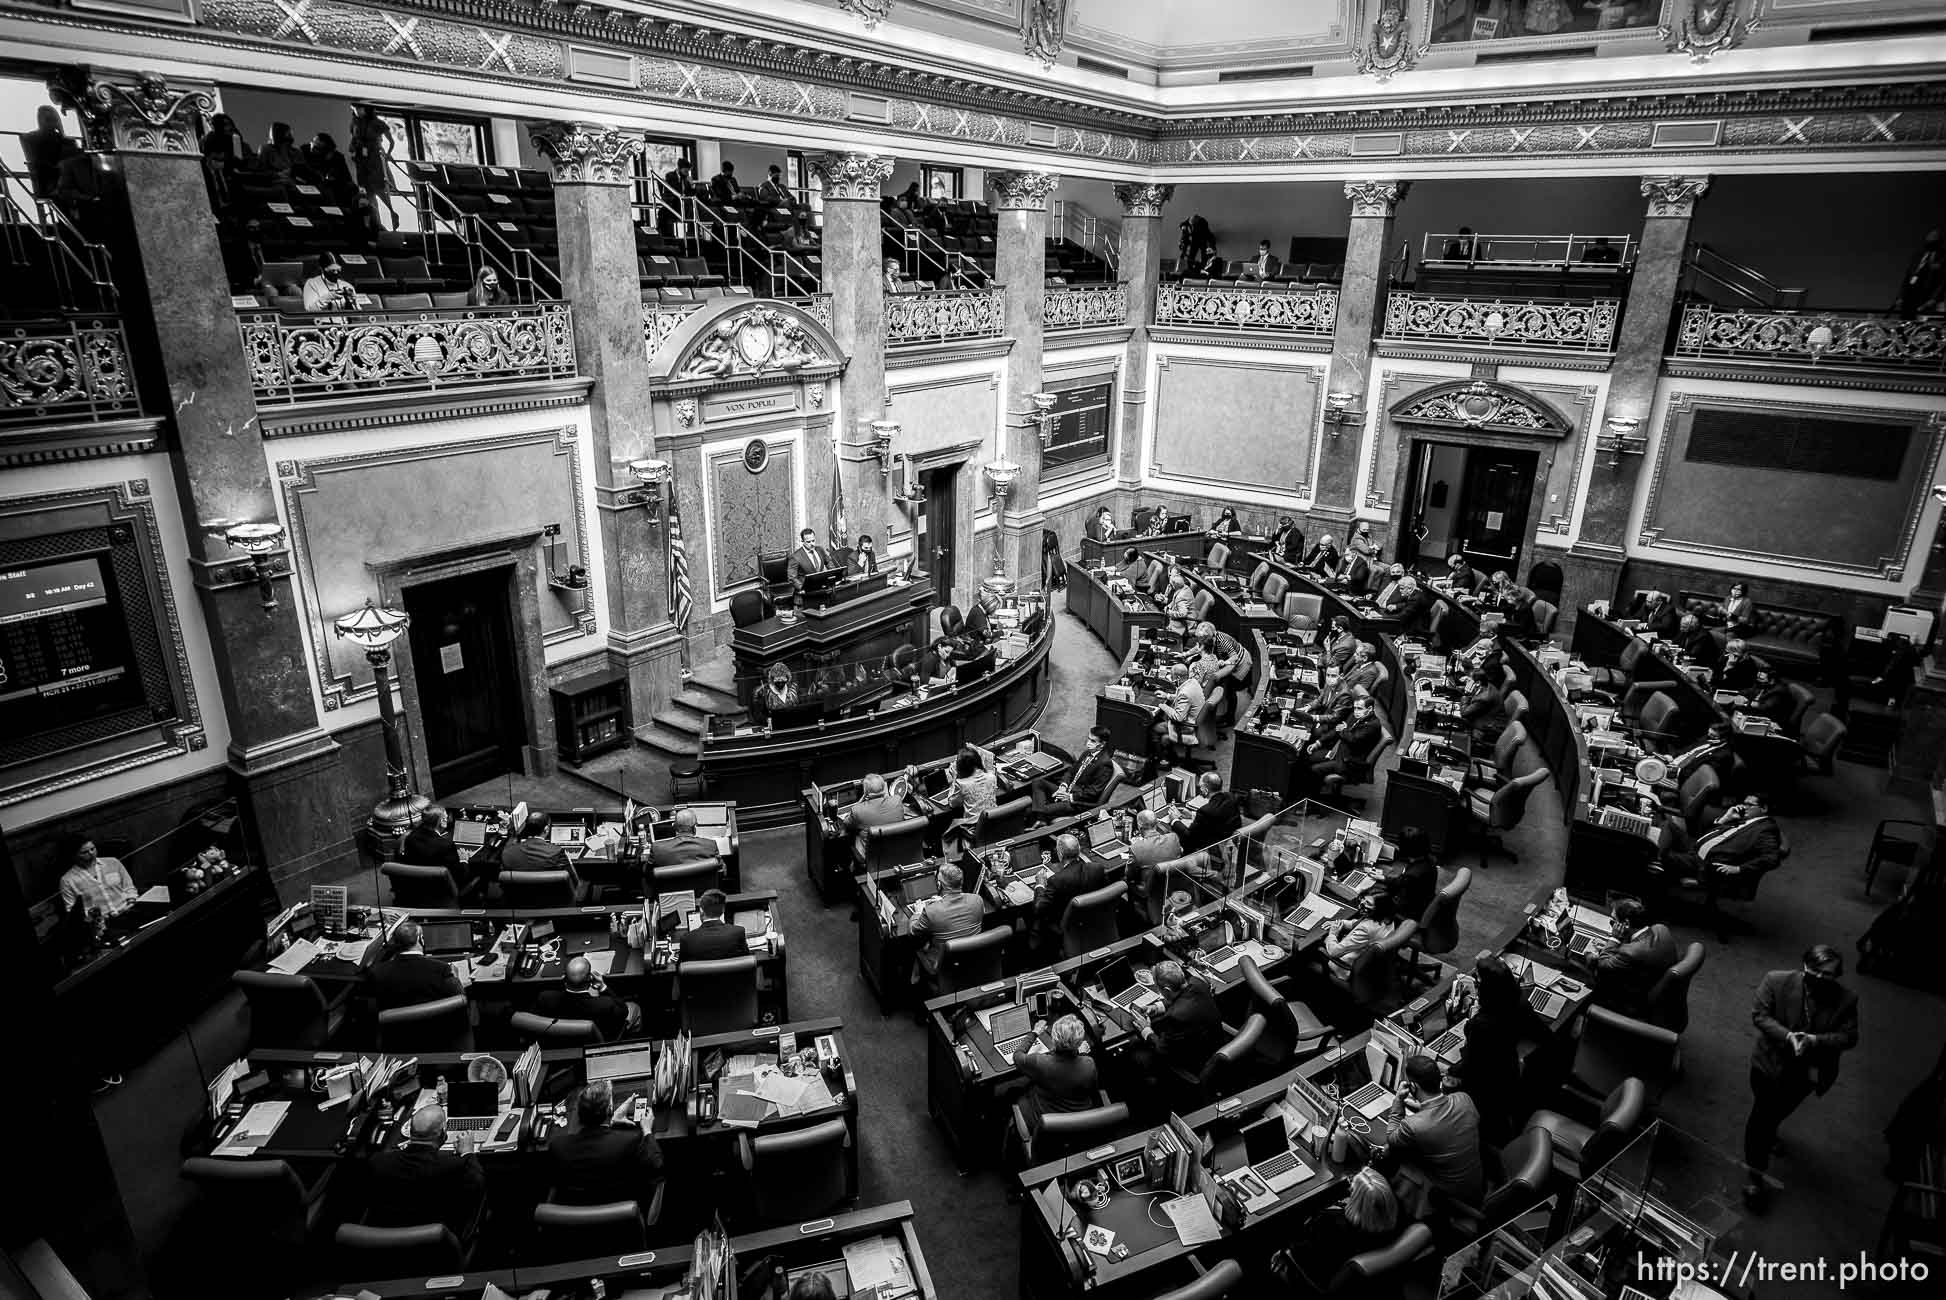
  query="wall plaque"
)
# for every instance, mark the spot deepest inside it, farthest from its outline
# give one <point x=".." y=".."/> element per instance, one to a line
<point x="741" y="406"/>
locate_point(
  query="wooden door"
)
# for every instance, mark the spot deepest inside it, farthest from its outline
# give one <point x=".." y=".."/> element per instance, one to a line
<point x="462" y="644"/>
<point x="941" y="510"/>
<point x="1495" y="498"/>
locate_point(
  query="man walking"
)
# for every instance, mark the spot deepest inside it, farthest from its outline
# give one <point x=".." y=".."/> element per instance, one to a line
<point x="1805" y="1019"/>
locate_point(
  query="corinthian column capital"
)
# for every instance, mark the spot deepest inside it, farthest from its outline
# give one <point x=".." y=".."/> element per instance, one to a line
<point x="141" y="113"/>
<point x="588" y="153"/>
<point x="1143" y="200"/>
<point x="1375" y="198"/>
<point x="1674" y="196"/>
<point x="1022" y="191"/>
<point x="853" y="175"/>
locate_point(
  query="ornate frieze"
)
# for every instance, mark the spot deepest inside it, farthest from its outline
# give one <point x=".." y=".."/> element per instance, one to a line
<point x="1143" y="200"/>
<point x="588" y="153"/>
<point x="757" y="340"/>
<point x="1579" y="325"/>
<point x="935" y="315"/>
<point x="1022" y="191"/>
<point x="1084" y="306"/>
<point x="1296" y="309"/>
<point x="294" y="359"/>
<point x="1479" y="404"/>
<point x="1829" y="338"/>
<point x="1375" y="198"/>
<point x="145" y="115"/>
<point x="1674" y="196"/>
<point x="853" y="175"/>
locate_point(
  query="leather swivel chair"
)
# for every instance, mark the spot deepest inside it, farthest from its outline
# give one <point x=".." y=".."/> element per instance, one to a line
<point x="1064" y="1132"/>
<point x="898" y="844"/>
<point x="540" y="889"/>
<point x="287" y="1011"/>
<point x="1545" y="615"/>
<point x="444" y="1025"/>
<point x="570" y="1232"/>
<point x="1218" y="557"/>
<point x="1527" y="1163"/>
<point x="1667" y="1003"/>
<point x="1292" y="1031"/>
<point x="697" y="876"/>
<point x="425" y="1249"/>
<point x="1490" y="775"/>
<point x="974" y="960"/>
<point x="264" y="1199"/>
<point x="1005" y="820"/>
<point x="1217" y="1283"/>
<point x="1820" y="741"/>
<point x="797" y="1175"/>
<point x="1655" y="725"/>
<point x="416" y="886"/>
<point x="1699" y="790"/>
<point x="1089" y="921"/>
<point x="1373" y="980"/>
<point x="1228" y="1066"/>
<point x="1580" y="1149"/>
<point x="718" y="996"/>
<point x="1362" y="769"/>
<point x="1383" y="1266"/>
<point x="1502" y="810"/>
<point x="747" y="607"/>
<point x="1276" y="590"/>
<point x="1438" y="932"/>
<point x="1614" y="1048"/>
<point x="531" y="1027"/>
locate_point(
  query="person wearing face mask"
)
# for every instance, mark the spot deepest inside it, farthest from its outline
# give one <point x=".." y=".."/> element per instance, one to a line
<point x="1805" y="1021"/>
<point x="1738" y="671"/>
<point x="1287" y="543"/>
<point x="486" y="290"/>
<point x="1341" y="751"/>
<point x="328" y="290"/>
<point x="1324" y="558"/>
<point x="1771" y="698"/>
<point x="1626" y="970"/>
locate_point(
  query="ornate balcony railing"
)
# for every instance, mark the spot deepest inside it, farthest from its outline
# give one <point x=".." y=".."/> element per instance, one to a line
<point x="1571" y="324"/>
<point x="298" y="358"/>
<point x="659" y="320"/>
<point x="934" y="315"/>
<point x="1812" y="338"/>
<point x="1085" y="306"/>
<point x="1278" y="308"/>
<point x="72" y="369"/>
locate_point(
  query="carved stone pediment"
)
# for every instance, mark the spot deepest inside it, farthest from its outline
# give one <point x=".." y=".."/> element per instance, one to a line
<point x="747" y="340"/>
<point x="1481" y="404"/>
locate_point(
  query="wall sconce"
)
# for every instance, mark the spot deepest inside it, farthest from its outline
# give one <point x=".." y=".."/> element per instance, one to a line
<point x="655" y="477"/>
<point x="1042" y="415"/>
<point x="1339" y="411"/>
<point x="259" y="542"/>
<point x="1002" y="475"/>
<point x="880" y="446"/>
<point x="574" y="577"/>
<point x="1619" y="438"/>
<point x="373" y="629"/>
<point x="912" y="489"/>
<point x="1939" y="493"/>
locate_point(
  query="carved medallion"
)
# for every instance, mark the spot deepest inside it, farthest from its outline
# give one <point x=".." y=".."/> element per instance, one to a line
<point x="1391" y="49"/>
<point x="1704" y="27"/>
<point x="1043" y="29"/>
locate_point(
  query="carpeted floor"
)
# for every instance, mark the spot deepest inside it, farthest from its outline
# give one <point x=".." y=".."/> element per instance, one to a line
<point x="1832" y="1196"/>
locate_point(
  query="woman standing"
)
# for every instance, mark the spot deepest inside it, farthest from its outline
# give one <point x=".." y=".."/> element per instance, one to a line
<point x="371" y="158"/>
<point x="1739" y="611"/>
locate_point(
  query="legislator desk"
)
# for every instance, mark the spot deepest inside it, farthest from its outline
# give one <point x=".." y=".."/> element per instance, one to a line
<point x="1184" y="546"/>
<point x="125" y="1000"/>
<point x="816" y="1246"/>
<point x="1115" y="620"/>
<point x="515" y="981"/>
<point x="856" y="615"/>
<point x="763" y="771"/>
<point x="605" y="854"/>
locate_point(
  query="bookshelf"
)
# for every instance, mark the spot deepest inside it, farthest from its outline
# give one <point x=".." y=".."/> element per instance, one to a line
<point x="591" y="714"/>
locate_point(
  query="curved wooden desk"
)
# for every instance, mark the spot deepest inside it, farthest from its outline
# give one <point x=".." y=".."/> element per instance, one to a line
<point x="763" y="771"/>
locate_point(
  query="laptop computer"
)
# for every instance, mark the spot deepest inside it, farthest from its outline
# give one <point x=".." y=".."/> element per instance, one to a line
<point x="469" y="834"/>
<point x="446" y="936"/>
<point x="1119" y="985"/>
<point x="919" y="888"/>
<point x="566" y="835"/>
<point x="620" y="1063"/>
<point x="1546" y="1002"/>
<point x="1012" y="1029"/>
<point x="1268" y="1153"/>
<point x="471" y="1107"/>
<point x="1102" y="837"/>
<point x="1154" y="798"/>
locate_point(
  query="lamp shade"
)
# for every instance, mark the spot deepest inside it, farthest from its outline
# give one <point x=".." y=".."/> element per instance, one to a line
<point x="254" y="539"/>
<point x="651" y="473"/>
<point x="373" y="627"/>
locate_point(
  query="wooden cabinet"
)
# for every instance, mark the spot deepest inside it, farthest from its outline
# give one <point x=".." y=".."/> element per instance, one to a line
<point x="591" y="715"/>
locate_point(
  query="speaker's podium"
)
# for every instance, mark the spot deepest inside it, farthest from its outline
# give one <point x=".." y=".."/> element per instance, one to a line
<point x="838" y="619"/>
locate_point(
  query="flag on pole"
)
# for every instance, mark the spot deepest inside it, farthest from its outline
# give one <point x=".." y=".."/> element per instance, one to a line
<point x="835" y="531"/>
<point x="681" y="597"/>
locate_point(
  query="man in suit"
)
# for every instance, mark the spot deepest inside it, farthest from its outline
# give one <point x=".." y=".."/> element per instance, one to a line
<point x="531" y="850"/>
<point x="1176" y="713"/>
<point x="879" y="804"/>
<point x="1341" y="751"/>
<point x="978" y="625"/>
<point x="1698" y="644"/>
<point x="1805" y="1020"/>
<point x="1152" y="845"/>
<point x="1218" y="818"/>
<point x="1287" y="543"/>
<point x="1102" y="527"/>
<point x="1641" y="954"/>
<point x="606" y="1156"/>
<point x="1713" y="751"/>
<point x="430" y="845"/>
<point x="723" y="187"/>
<point x="715" y="938"/>
<point x="1085" y="788"/>
<point x="1185" y="1031"/>
<point x="1433" y="1141"/>
<point x="1466" y="579"/>
<point x="864" y="557"/>
<point x="773" y="190"/>
<point x="1412" y="606"/>
<point x="1073" y="875"/>
<point x="683" y="845"/>
<point x="1264" y="266"/>
<point x="420" y="1182"/>
<point x="584" y="995"/>
<point x="809" y="557"/>
<point x="1342" y="643"/>
<point x="1745" y="841"/>
<point x="1356" y="575"/>
<point x="950" y="914"/>
<point x="408" y="977"/>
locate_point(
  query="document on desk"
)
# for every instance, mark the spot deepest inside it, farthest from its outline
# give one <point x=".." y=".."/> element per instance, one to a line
<point x="154" y="894"/>
<point x="351" y="950"/>
<point x="294" y="958"/>
<point x="602" y="959"/>
<point x="737" y="1102"/>
<point x="255" y="1129"/>
<point x="1191" y="1217"/>
<point x="879" y="1262"/>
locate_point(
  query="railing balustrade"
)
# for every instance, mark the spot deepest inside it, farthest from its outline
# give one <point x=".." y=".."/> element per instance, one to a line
<point x="65" y="369"/>
<point x="1277" y="308"/>
<point x="1812" y="338"/>
<point x="1085" y="306"/>
<point x="1571" y="324"/>
<point x="936" y="315"/>
<point x="295" y="358"/>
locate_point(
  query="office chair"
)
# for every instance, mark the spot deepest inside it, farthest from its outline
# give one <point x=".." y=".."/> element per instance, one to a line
<point x="1005" y="820"/>
<point x="531" y="1027"/>
<point x="1502" y="810"/>
<point x="1215" y="1284"/>
<point x="718" y="996"/>
<point x="1435" y="626"/>
<point x="1667" y="1003"/>
<point x="1545" y="580"/>
<point x="266" y="1197"/>
<point x="1657" y="720"/>
<point x="1545" y="614"/>
<point x="974" y="960"/>
<point x="1801" y="700"/>
<point x="1821" y="740"/>
<point x="796" y="1175"/>
<point x="1694" y="797"/>
<point x="414" y="886"/>
<point x="1491" y="774"/>
<point x="775" y="570"/>
<point x="568" y="1232"/>
<point x="1516" y="706"/>
<point x="1258" y="576"/>
<point x="1614" y="1048"/>
<point x="1383" y="1265"/>
<point x="1218" y="557"/>
<point x="1200" y="607"/>
<point x="1277" y="591"/>
<point x="747" y="607"/>
<point x="1292" y="1031"/>
<point x="1225" y="1070"/>
<point x="897" y="845"/>
<point x="1308" y="607"/>
<point x="288" y="1011"/>
<point x="1527" y="1162"/>
<point x="1362" y="770"/>
<point x="442" y="1026"/>
<point x="1618" y="679"/>
<point x="1158" y="581"/>
<point x="426" y="1249"/>
<point x="1438" y="932"/>
<point x="698" y="876"/>
<point x="1581" y="1149"/>
<point x="1064" y="1132"/>
<point x="1089" y="921"/>
<point x="1373" y="980"/>
<point x="540" y="889"/>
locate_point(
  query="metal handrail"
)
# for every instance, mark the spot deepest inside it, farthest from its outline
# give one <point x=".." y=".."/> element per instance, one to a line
<point x="1073" y="221"/>
<point x="917" y="248"/>
<point x="1574" y="324"/>
<point x="73" y="368"/>
<point x="23" y="211"/>
<point x="518" y="267"/>
<point x="1812" y="338"/>
<point x="701" y="225"/>
<point x="1561" y="251"/>
<point x="1743" y="282"/>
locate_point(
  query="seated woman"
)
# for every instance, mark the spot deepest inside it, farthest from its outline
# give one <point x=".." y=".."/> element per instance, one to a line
<point x="1374" y="923"/>
<point x="1062" y="1079"/>
<point x="936" y="665"/>
<point x="1367" y="1219"/>
<point x="486" y="290"/>
<point x="956" y="818"/>
<point x="1226" y="524"/>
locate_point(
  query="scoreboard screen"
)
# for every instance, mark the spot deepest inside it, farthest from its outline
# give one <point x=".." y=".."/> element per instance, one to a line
<point x="1080" y="425"/>
<point x="65" y="653"/>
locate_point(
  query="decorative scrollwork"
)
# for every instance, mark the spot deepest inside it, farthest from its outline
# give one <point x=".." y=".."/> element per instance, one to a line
<point x="297" y="358"/>
<point x="1375" y="198"/>
<point x="1043" y="29"/>
<point x="853" y="175"/>
<point x="1293" y="309"/>
<point x="1836" y="338"/>
<point x="1391" y="50"/>
<point x="1085" y="306"/>
<point x="1674" y="196"/>
<point x="660" y="320"/>
<point x="871" y="12"/>
<point x="1705" y="27"/>
<point x="1582" y="325"/>
<point x="1022" y="191"/>
<point x="1478" y="404"/>
<point x="815" y="305"/>
<point x="588" y="153"/>
<point x="65" y="370"/>
<point x="1143" y="200"/>
<point x="146" y="117"/>
<point x="936" y="314"/>
<point x="756" y="340"/>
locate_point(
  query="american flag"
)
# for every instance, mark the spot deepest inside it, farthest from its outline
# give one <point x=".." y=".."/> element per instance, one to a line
<point x="681" y="596"/>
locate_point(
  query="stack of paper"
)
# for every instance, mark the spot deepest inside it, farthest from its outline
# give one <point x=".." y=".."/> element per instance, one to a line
<point x="1191" y="1217"/>
<point x="294" y="958"/>
<point x="255" y="1129"/>
<point x="879" y="1262"/>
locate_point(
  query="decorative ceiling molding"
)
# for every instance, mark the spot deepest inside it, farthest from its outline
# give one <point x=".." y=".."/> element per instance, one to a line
<point x="1390" y="51"/>
<point x="1482" y="404"/>
<point x="1043" y="29"/>
<point x="1703" y="27"/>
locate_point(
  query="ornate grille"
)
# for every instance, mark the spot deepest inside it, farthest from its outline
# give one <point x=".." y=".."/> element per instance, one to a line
<point x="1837" y="338"/>
<point x="1283" y="309"/>
<point x="932" y="315"/>
<point x="1579" y="325"/>
<point x="1085" y="306"/>
<point x="65" y="370"/>
<point x="296" y="358"/>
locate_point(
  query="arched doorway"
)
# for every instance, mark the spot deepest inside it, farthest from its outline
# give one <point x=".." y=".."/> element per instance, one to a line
<point x="1474" y="461"/>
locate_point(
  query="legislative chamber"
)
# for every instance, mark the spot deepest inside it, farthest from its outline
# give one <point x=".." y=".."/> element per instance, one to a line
<point x="894" y="649"/>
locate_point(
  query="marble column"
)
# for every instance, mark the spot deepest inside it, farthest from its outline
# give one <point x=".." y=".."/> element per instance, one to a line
<point x="181" y="315"/>
<point x="1640" y="343"/>
<point x="1020" y="262"/>
<point x="1361" y="310"/>
<point x="1138" y="252"/>
<point x="593" y="165"/>
<point x="853" y="257"/>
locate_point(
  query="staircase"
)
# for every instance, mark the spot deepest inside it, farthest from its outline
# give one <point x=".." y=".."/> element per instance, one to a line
<point x="676" y="732"/>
